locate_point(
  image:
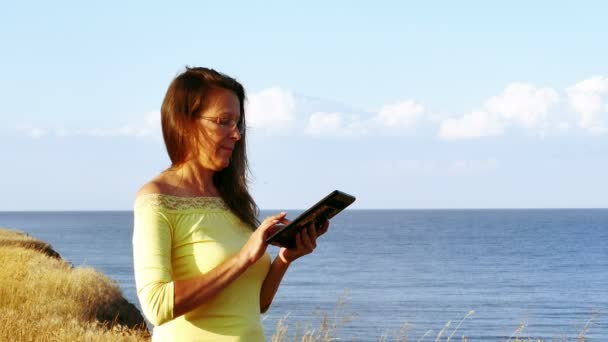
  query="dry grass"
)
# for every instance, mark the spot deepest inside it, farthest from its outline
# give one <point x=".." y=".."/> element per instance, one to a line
<point x="43" y="298"/>
<point x="330" y="324"/>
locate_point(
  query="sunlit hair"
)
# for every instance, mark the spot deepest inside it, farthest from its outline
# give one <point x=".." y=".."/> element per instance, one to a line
<point x="186" y="100"/>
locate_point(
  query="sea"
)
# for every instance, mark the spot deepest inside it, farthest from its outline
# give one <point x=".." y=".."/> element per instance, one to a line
<point x="420" y="275"/>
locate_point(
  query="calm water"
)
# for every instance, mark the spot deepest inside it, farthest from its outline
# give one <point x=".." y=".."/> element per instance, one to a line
<point x="547" y="269"/>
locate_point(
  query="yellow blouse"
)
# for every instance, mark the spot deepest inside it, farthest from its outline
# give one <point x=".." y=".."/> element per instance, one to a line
<point x="180" y="238"/>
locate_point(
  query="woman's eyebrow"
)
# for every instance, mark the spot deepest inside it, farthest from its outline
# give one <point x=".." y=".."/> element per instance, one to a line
<point x="230" y="114"/>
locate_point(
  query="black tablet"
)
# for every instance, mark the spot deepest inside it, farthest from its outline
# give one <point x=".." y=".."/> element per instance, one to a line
<point x="324" y="210"/>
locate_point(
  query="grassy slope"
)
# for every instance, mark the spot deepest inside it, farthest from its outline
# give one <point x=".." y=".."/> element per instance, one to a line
<point x="43" y="298"/>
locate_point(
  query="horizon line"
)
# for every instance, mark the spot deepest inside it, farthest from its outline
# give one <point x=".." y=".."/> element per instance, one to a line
<point x="298" y="209"/>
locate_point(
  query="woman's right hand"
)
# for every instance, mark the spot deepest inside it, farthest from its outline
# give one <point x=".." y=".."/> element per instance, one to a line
<point x="256" y="245"/>
<point x="192" y="292"/>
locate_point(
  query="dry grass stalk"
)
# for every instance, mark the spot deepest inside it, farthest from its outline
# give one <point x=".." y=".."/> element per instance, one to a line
<point x="426" y="333"/>
<point x="329" y="324"/>
<point x="581" y="336"/>
<point x="517" y="331"/>
<point x="403" y="332"/>
<point x="469" y="314"/>
<point x="445" y="327"/>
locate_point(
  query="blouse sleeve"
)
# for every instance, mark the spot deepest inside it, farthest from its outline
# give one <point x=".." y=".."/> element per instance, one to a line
<point x="152" y="264"/>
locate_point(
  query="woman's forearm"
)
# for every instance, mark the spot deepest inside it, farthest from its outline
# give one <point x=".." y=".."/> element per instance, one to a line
<point x="191" y="293"/>
<point x="272" y="282"/>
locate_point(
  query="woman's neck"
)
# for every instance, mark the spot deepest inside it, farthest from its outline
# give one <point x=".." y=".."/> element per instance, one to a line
<point x="194" y="179"/>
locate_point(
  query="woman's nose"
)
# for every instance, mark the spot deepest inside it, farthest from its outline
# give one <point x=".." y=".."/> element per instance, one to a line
<point x="236" y="134"/>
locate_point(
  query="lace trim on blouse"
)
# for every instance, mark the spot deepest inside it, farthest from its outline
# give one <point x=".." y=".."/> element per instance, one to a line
<point x="179" y="203"/>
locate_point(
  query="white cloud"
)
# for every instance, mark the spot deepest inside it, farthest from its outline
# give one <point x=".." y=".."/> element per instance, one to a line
<point x="399" y="115"/>
<point x="32" y="132"/>
<point x="148" y="126"/>
<point x="520" y="104"/>
<point x="403" y="114"/>
<point x="473" y="125"/>
<point x="324" y="123"/>
<point x="271" y="109"/>
<point x="35" y="132"/>
<point x="61" y="132"/>
<point x="523" y="103"/>
<point x="334" y="124"/>
<point x="277" y="111"/>
<point x="586" y="99"/>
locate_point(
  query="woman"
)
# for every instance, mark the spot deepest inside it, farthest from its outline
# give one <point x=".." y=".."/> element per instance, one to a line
<point x="201" y="267"/>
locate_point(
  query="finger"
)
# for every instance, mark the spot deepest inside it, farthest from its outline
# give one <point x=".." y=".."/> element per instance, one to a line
<point x="278" y="216"/>
<point x="275" y="228"/>
<point x="312" y="232"/>
<point x="324" y="228"/>
<point x="274" y="219"/>
<point x="306" y="238"/>
<point x="299" y="243"/>
<point x="282" y="221"/>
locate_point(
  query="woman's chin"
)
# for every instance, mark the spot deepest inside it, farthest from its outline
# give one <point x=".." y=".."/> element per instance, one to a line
<point x="222" y="165"/>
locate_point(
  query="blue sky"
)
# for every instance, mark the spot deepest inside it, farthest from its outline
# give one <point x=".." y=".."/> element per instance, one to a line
<point x="464" y="104"/>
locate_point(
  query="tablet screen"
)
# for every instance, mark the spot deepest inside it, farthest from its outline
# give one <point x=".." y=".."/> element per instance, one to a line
<point x="323" y="210"/>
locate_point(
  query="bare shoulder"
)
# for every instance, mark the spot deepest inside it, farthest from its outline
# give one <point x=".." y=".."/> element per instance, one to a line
<point x="152" y="187"/>
<point x="158" y="185"/>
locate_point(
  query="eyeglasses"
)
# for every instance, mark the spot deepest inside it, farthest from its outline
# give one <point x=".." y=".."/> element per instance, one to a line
<point x="225" y="123"/>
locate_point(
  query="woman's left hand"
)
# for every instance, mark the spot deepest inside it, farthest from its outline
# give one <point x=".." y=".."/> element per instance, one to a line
<point x="306" y="242"/>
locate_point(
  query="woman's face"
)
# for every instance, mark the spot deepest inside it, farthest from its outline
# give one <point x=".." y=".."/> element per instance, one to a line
<point x="218" y="141"/>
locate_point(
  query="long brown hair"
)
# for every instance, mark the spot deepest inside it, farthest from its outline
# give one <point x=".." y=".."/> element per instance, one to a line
<point x="185" y="101"/>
